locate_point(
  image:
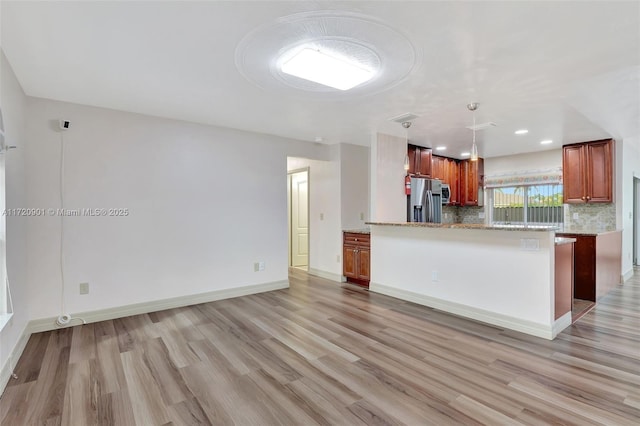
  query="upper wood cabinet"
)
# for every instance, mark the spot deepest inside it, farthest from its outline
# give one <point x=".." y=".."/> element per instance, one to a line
<point x="453" y="179"/>
<point x="439" y="168"/>
<point x="587" y="172"/>
<point x="419" y="161"/>
<point x="471" y="181"/>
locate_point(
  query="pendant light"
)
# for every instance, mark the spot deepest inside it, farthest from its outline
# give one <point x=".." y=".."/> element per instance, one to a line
<point x="406" y="125"/>
<point x="474" y="148"/>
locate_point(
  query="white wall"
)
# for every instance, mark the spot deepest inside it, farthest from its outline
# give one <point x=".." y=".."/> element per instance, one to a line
<point x="325" y="229"/>
<point x="627" y="166"/>
<point x="388" y="200"/>
<point x="13" y="100"/>
<point x="475" y="269"/>
<point x="354" y="183"/>
<point x="205" y="204"/>
<point x="521" y="162"/>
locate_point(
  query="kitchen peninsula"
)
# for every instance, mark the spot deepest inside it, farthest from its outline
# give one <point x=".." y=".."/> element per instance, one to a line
<point x="501" y="276"/>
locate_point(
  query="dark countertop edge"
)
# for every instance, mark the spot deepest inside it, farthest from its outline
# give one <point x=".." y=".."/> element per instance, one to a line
<point x="460" y="226"/>
<point x="562" y="240"/>
<point x="357" y="231"/>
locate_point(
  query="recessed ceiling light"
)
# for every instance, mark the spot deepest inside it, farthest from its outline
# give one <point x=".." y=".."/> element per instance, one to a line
<point x="465" y="154"/>
<point x="546" y="142"/>
<point x="323" y="68"/>
<point x="521" y="132"/>
<point x="440" y="148"/>
<point x="318" y="139"/>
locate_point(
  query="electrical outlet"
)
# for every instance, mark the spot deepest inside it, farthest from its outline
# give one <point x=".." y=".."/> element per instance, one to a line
<point x="258" y="266"/>
<point x="529" y="244"/>
<point x="481" y="215"/>
<point x="84" y="288"/>
<point x="338" y="258"/>
<point x="434" y="276"/>
<point x="576" y="216"/>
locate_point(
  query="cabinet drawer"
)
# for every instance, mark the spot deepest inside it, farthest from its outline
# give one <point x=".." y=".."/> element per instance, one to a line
<point x="357" y="239"/>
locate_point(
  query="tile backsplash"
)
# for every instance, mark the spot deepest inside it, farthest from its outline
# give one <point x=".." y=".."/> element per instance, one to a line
<point x="599" y="217"/>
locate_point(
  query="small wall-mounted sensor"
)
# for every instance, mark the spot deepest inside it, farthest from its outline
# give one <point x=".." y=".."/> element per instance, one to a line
<point x="65" y="124"/>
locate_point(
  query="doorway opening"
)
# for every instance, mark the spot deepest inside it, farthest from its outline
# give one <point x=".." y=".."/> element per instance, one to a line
<point x="298" y="207"/>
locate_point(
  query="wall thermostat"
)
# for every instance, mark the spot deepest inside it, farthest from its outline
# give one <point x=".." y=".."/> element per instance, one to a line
<point x="65" y="124"/>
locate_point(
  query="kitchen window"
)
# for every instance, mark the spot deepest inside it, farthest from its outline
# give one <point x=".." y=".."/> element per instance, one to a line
<point x="527" y="205"/>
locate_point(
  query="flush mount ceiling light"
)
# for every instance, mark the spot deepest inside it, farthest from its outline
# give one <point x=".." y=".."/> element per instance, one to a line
<point x="546" y="142"/>
<point x="266" y="55"/>
<point x="521" y="132"/>
<point x="327" y="69"/>
<point x="465" y="154"/>
<point x="474" y="148"/>
<point x="441" y="148"/>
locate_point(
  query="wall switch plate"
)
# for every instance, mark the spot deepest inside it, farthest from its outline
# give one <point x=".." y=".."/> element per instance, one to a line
<point x="321" y="216"/>
<point x="434" y="276"/>
<point x="576" y="216"/>
<point x="338" y="258"/>
<point x="84" y="288"/>
<point x="361" y="216"/>
<point x="481" y="215"/>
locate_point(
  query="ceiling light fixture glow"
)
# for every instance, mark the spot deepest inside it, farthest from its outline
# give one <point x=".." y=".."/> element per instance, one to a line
<point x="440" y="148"/>
<point x="323" y="68"/>
<point x="521" y="132"/>
<point x="465" y="154"/>
<point x="546" y="142"/>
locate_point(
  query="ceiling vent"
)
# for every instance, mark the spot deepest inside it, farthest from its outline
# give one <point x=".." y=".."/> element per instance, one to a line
<point x="407" y="116"/>
<point x="482" y="126"/>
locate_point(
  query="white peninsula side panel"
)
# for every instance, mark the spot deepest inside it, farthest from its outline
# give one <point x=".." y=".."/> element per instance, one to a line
<point x="501" y="277"/>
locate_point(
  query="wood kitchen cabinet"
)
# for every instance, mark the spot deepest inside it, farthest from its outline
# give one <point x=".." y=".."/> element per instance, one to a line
<point x="452" y="171"/>
<point x="356" y="255"/>
<point x="587" y="172"/>
<point x="439" y="168"/>
<point x="471" y="181"/>
<point x="419" y="161"/>
<point x="447" y="170"/>
<point x="598" y="261"/>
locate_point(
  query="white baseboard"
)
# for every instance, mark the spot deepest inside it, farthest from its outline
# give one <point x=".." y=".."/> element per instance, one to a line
<point x="12" y="360"/>
<point x="627" y="275"/>
<point x="46" y="324"/>
<point x="505" y="321"/>
<point x="326" y="275"/>
<point x="560" y="324"/>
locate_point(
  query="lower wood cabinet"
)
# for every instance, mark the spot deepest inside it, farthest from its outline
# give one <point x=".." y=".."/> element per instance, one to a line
<point x="356" y="253"/>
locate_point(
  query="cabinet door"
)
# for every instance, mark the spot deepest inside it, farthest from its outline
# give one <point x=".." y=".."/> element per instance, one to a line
<point x="425" y="162"/>
<point x="363" y="256"/>
<point x="471" y="176"/>
<point x="599" y="172"/>
<point x="454" y="181"/>
<point x="349" y="262"/>
<point x="438" y="168"/>
<point x="414" y="159"/>
<point x="573" y="174"/>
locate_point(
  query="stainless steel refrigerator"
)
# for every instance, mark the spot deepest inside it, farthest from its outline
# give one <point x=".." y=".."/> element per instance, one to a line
<point x="425" y="202"/>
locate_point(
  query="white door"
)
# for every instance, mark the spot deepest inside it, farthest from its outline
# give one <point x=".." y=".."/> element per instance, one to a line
<point x="299" y="219"/>
<point x="636" y="221"/>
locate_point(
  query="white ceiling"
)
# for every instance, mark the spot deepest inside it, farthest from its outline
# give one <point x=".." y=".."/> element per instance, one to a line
<point x="567" y="71"/>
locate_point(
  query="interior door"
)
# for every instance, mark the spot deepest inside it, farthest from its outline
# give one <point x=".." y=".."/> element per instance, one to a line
<point x="300" y="219"/>
<point x="636" y="220"/>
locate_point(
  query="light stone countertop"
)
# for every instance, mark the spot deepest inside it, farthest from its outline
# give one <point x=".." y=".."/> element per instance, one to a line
<point x="358" y="231"/>
<point x="463" y="226"/>
<point x="562" y="240"/>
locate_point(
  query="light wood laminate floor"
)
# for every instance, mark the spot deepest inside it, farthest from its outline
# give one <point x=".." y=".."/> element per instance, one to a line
<point x="321" y="353"/>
